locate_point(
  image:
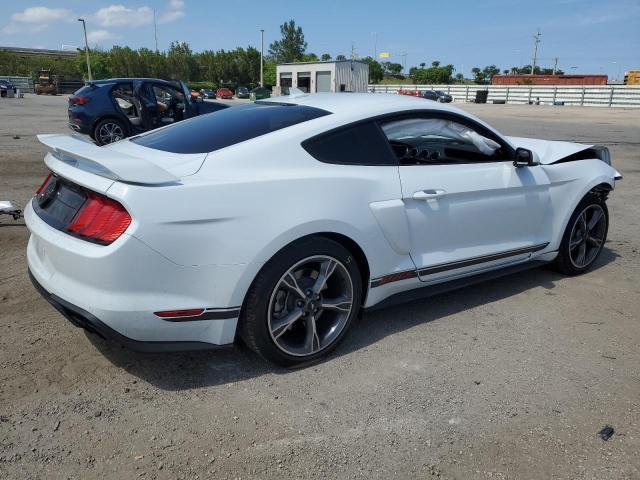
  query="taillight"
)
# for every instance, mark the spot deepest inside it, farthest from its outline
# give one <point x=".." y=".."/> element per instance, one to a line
<point x="44" y="184"/>
<point x="100" y="219"/>
<point x="79" y="99"/>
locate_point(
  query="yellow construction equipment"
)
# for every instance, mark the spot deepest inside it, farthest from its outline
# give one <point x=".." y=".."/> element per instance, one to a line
<point x="632" y="77"/>
<point x="47" y="83"/>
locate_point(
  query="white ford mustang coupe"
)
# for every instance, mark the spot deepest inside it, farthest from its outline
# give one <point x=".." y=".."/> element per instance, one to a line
<point x="276" y="222"/>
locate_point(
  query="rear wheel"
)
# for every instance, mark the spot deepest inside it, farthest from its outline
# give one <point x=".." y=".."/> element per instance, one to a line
<point x="584" y="236"/>
<point x="108" y="131"/>
<point x="302" y="302"/>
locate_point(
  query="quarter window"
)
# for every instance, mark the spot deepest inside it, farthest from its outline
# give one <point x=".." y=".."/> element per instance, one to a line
<point x="361" y="144"/>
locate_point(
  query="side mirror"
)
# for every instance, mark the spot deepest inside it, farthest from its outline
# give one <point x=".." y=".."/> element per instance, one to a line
<point x="524" y="158"/>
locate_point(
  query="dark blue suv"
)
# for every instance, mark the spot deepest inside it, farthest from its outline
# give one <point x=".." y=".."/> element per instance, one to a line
<point x="113" y="109"/>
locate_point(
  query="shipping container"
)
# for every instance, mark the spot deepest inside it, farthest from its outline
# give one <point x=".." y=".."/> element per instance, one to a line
<point x="549" y="80"/>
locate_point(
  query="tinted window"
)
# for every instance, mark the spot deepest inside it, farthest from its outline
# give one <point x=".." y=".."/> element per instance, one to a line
<point x="208" y="133"/>
<point x="361" y="144"/>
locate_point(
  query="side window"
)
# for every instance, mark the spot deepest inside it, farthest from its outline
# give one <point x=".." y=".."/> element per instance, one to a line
<point x="421" y="140"/>
<point x="361" y="144"/>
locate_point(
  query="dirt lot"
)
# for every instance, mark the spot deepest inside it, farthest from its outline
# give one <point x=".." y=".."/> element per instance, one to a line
<point x="508" y="379"/>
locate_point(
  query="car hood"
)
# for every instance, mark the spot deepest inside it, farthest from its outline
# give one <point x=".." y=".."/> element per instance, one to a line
<point x="549" y="151"/>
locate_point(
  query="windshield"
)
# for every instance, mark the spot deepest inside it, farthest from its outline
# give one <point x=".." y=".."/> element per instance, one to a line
<point x="223" y="128"/>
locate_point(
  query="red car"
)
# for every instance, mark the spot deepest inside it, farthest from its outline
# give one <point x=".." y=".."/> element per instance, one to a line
<point x="224" y="92"/>
<point x="413" y="93"/>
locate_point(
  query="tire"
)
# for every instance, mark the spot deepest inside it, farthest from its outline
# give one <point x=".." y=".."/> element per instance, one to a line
<point x="287" y="317"/>
<point x="574" y="240"/>
<point x="101" y="131"/>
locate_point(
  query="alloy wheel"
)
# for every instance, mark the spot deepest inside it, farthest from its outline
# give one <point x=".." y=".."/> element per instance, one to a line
<point x="587" y="236"/>
<point x="110" y="132"/>
<point x="310" y="305"/>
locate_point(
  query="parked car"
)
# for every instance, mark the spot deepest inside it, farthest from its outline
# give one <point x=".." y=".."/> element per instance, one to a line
<point x="224" y="92"/>
<point x="5" y="86"/>
<point x="207" y="93"/>
<point x="180" y="239"/>
<point x="113" y="109"/>
<point x="437" y="95"/>
<point x="242" y="92"/>
<point x="260" y="93"/>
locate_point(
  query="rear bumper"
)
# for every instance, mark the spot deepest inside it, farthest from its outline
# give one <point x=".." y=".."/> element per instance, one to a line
<point x="114" y="290"/>
<point x="83" y="319"/>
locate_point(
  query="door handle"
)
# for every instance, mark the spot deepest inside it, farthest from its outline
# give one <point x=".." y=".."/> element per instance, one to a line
<point x="428" y="194"/>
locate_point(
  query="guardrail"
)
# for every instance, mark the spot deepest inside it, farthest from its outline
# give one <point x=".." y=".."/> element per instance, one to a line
<point x="25" y="84"/>
<point x="588" y="95"/>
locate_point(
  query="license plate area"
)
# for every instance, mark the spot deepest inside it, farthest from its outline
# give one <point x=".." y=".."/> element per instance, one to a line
<point x="58" y="202"/>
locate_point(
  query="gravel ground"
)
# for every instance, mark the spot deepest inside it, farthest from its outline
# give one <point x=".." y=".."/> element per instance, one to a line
<point x="509" y="379"/>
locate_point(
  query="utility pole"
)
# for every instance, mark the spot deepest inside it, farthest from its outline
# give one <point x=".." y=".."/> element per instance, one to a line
<point x="262" y="58"/>
<point x="353" y="51"/>
<point x="155" y="29"/>
<point x="555" y="65"/>
<point x="404" y="61"/>
<point x="536" y="41"/>
<point x="86" y="47"/>
<point x="375" y="45"/>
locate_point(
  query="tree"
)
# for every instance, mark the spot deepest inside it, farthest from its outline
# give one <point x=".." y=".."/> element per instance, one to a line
<point x="376" y="73"/>
<point x="310" y="57"/>
<point x="291" y="47"/>
<point x="325" y="57"/>
<point x="485" y="75"/>
<point x="340" y="57"/>
<point x="459" y="77"/>
<point x="434" y="74"/>
<point x="391" y="68"/>
<point x="526" y="70"/>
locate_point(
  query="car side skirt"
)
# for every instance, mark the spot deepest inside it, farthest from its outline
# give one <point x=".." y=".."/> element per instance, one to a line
<point x="443" y="267"/>
<point x="438" y="288"/>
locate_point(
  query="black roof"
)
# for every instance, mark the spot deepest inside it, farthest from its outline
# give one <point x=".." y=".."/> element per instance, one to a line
<point x="118" y="80"/>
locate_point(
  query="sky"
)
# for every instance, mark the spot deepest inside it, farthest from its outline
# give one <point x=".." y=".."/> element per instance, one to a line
<point x="587" y="36"/>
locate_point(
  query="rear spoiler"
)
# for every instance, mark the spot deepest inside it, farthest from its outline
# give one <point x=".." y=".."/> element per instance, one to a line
<point x="80" y="153"/>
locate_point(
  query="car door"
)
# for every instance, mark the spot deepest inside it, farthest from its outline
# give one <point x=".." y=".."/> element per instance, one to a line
<point x="191" y="103"/>
<point x="468" y="207"/>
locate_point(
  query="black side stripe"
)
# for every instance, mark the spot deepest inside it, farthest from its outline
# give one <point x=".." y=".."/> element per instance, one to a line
<point x="443" y="267"/>
<point x="209" y="314"/>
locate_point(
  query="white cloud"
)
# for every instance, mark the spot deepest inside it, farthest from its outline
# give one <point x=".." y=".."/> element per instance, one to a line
<point x="173" y="13"/>
<point x="170" y="16"/>
<point x="96" y="36"/>
<point x="41" y="15"/>
<point x="35" y="19"/>
<point x="121" y="16"/>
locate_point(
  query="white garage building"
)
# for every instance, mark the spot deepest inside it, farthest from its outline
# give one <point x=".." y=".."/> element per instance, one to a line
<point x="330" y="76"/>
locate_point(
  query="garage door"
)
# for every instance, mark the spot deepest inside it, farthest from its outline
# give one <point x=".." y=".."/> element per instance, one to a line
<point x="323" y="81"/>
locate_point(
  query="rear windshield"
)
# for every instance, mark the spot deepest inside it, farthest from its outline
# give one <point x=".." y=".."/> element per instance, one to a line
<point x="221" y="129"/>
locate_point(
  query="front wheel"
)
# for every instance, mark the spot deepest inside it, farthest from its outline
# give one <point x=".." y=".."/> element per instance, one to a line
<point x="584" y="236"/>
<point x="108" y="131"/>
<point x="302" y="302"/>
